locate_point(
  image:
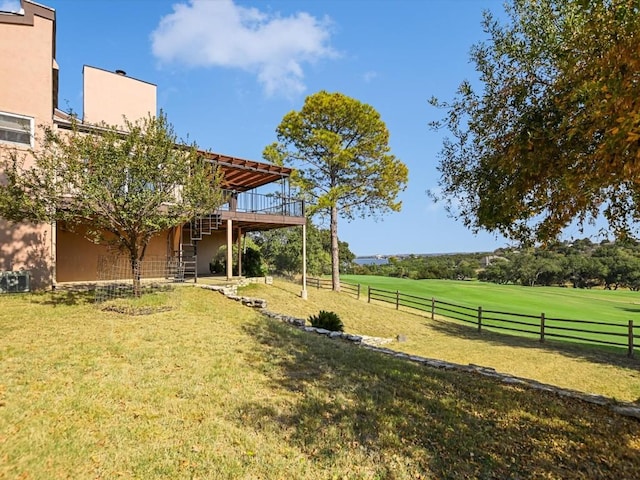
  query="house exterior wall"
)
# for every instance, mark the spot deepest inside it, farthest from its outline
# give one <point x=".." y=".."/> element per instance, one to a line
<point x="27" y="88"/>
<point x="78" y="257"/>
<point x="27" y="247"/>
<point x="208" y="248"/>
<point x="108" y="96"/>
<point x="27" y="64"/>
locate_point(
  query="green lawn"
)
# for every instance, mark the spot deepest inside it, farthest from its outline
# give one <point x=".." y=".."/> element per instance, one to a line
<point x="615" y="307"/>
<point x="556" y="302"/>
<point x="211" y="389"/>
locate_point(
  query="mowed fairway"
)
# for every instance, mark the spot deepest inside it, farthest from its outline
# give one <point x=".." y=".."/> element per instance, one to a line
<point x="555" y="302"/>
<point x="609" y="306"/>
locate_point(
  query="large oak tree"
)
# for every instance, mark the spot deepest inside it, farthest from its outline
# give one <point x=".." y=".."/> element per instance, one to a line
<point x="340" y="149"/>
<point x="553" y="134"/>
<point x="120" y="186"/>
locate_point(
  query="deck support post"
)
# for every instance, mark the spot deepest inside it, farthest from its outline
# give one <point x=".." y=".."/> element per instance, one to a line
<point x="239" y="242"/>
<point x="229" y="249"/>
<point x="303" y="293"/>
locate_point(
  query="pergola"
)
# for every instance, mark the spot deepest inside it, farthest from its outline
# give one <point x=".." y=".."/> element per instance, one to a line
<point x="243" y="176"/>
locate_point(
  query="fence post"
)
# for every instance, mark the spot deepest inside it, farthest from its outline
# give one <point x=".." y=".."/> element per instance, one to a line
<point x="479" y="319"/>
<point x="318" y="283"/>
<point x="397" y="299"/>
<point x="542" y="327"/>
<point x="630" y="354"/>
<point x="433" y="308"/>
<point x="358" y="291"/>
<point x="369" y="294"/>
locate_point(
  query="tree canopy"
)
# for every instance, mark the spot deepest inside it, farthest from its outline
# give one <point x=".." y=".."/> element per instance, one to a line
<point x="340" y="149"/>
<point x="553" y="135"/>
<point x="282" y="250"/>
<point x="122" y="187"/>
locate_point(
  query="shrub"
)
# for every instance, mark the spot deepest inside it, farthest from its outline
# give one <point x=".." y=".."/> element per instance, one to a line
<point x="327" y="320"/>
<point x="252" y="263"/>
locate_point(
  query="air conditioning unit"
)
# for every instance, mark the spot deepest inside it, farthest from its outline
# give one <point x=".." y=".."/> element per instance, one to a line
<point x="15" y="282"/>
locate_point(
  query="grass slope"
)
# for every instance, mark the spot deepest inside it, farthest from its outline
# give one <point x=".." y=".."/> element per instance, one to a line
<point x="212" y="390"/>
<point x="569" y="366"/>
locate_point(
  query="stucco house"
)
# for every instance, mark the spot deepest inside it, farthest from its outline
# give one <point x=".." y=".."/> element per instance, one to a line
<point x="29" y="100"/>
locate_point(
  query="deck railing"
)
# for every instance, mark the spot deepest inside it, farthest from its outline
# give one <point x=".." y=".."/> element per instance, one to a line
<point x="270" y="204"/>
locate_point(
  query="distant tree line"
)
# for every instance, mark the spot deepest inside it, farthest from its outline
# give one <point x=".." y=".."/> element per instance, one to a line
<point x="461" y="266"/>
<point x="580" y="264"/>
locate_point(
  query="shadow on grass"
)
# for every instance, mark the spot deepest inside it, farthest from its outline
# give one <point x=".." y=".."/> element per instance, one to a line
<point x="389" y="418"/>
<point x="64" y="297"/>
<point x="628" y="309"/>
<point x="603" y="354"/>
<point x="590" y="352"/>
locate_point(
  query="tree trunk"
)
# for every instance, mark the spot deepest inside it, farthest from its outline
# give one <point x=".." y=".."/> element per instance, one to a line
<point x="136" y="256"/>
<point x="335" y="252"/>
<point x="135" y="273"/>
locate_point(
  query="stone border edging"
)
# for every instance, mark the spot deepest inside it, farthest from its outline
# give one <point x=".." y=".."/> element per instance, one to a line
<point x="627" y="409"/>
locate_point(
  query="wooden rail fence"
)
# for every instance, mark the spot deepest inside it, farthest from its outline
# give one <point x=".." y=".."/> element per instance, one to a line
<point x="620" y="334"/>
<point x="319" y="283"/>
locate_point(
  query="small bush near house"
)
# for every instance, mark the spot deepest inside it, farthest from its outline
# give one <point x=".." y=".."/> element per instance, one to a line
<point x="253" y="263"/>
<point x="327" y="320"/>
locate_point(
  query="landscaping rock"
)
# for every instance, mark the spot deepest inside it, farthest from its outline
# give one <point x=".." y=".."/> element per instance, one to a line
<point x="627" y="411"/>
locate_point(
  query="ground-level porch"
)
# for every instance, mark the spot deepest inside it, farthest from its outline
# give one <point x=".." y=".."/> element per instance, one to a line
<point x="194" y="245"/>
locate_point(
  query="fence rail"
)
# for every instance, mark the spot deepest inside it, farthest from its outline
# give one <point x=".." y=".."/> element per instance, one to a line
<point x="318" y="283"/>
<point x="541" y="327"/>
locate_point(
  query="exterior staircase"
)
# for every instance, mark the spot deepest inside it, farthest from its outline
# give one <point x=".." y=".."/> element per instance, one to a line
<point x="204" y="225"/>
<point x="195" y="230"/>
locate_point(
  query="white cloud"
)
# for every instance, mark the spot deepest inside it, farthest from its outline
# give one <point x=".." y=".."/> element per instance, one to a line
<point x="369" y="76"/>
<point x="220" y="33"/>
<point x="10" y="6"/>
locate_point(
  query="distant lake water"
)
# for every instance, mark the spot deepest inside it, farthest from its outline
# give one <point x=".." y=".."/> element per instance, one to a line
<point x="371" y="261"/>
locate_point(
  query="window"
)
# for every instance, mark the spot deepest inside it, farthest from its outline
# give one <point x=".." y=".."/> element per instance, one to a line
<point x="16" y="129"/>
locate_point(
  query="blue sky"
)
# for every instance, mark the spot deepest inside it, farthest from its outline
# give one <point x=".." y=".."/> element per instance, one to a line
<point x="228" y="71"/>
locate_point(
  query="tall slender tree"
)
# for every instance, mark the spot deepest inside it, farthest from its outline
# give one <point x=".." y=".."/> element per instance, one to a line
<point x="340" y="148"/>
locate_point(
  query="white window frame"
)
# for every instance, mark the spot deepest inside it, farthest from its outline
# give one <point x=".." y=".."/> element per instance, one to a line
<point x="30" y="131"/>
